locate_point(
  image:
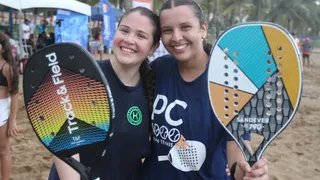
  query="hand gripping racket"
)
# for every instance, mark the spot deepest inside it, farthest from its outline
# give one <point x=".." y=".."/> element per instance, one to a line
<point x="255" y="82"/>
<point x="68" y="102"/>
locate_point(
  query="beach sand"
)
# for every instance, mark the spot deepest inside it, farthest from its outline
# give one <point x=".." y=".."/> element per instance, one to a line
<point x="293" y="155"/>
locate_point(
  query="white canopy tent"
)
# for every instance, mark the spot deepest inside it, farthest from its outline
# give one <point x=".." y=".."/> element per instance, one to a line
<point x="44" y="5"/>
<point x="71" y="5"/>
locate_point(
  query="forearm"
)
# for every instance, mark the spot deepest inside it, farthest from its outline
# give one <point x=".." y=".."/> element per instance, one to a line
<point x="65" y="171"/>
<point x="234" y="153"/>
<point x="14" y="107"/>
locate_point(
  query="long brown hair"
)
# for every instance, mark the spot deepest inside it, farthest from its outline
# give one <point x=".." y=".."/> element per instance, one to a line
<point x="7" y="56"/>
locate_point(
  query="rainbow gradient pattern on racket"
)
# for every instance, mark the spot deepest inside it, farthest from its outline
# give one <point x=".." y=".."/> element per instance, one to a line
<point x="53" y="114"/>
<point x="255" y="82"/>
<point x="67" y="99"/>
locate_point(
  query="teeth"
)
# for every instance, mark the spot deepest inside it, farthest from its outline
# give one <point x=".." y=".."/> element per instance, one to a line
<point x="180" y="47"/>
<point x="127" y="50"/>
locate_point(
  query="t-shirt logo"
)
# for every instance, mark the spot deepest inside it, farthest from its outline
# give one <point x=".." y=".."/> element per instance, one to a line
<point x="134" y="116"/>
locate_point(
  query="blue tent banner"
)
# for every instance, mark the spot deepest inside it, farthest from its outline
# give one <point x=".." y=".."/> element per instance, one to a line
<point x="71" y="27"/>
<point x="108" y="27"/>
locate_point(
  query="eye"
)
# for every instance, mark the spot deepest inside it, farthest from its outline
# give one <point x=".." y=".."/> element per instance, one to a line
<point x="124" y="31"/>
<point x="166" y="31"/>
<point x="185" y="28"/>
<point x="141" y="36"/>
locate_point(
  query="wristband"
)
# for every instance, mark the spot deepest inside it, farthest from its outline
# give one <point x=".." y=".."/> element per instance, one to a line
<point x="233" y="170"/>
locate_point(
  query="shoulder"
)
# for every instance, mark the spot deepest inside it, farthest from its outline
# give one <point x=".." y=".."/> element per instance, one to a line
<point x="162" y="62"/>
<point x="6" y="69"/>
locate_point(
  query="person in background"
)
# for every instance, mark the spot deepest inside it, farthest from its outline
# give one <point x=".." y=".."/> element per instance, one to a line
<point x="306" y="52"/>
<point x="9" y="93"/>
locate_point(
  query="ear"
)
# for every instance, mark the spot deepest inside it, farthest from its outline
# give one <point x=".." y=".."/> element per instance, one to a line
<point x="153" y="48"/>
<point x="204" y="30"/>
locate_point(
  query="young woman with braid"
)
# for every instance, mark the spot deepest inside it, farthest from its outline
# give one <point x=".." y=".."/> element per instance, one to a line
<point x="188" y="142"/>
<point x="9" y="80"/>
<point x="131" y="83"/>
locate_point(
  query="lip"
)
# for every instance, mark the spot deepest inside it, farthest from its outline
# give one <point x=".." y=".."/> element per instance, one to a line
<point x="127" y="52"/>
<point x="179" y="50"/>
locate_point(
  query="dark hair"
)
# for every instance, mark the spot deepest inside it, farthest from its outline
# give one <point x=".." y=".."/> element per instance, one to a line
<point x="197" y="12"/>
<point x="7" y="56"/>
<point x="146" y="73"/>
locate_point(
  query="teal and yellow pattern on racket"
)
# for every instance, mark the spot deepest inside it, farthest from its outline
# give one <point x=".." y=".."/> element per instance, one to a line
<point x="255" y="82"/>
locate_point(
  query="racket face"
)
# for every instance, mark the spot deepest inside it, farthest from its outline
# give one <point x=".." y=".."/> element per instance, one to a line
<point x="67" y="99"/>
<point x="255" y="82"/>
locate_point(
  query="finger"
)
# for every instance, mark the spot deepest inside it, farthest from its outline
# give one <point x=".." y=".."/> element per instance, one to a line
<point x="260" y="163"/>
<point x="258" y="172"/>
<point x="264" y="177"/>
<point x="16" y="132"/>
<point x="244" y="166"/>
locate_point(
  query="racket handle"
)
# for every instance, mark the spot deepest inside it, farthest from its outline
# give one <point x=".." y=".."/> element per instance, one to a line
<point x="81" y="169"/>
<point x="251" y="163"/>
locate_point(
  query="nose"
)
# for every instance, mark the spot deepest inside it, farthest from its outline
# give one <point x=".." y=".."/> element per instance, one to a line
<point x="129" y="39"/>
<point x="177" y="35"/>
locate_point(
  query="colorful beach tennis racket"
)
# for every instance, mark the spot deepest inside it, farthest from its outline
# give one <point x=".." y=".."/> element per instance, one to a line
<point x="255" y="83"/>
<point x="68" y="102"/>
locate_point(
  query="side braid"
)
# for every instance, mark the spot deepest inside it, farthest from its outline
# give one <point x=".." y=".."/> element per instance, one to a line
<point x="148" y="83"/>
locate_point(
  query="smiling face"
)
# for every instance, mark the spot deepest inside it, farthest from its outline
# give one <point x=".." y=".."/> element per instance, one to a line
<point x="133" y="40"/>
<point x="182" y="34"/>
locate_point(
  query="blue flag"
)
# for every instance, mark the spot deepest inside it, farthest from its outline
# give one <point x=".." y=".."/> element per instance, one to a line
<point x="108" y="27"/>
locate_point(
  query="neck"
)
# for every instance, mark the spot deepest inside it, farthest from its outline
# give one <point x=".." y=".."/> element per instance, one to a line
<point x="129" y="75"/>
<point x="193" y="68"/>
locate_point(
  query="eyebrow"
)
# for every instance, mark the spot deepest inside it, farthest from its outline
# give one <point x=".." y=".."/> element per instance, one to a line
<point x="139" y="31"/>
<point x="180" y="24"/>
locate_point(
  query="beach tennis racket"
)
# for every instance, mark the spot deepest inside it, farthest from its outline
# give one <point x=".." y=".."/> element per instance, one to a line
<point x="68" y="102"/>
<point x="255" y="83"/>
<point x="186" y="155"/>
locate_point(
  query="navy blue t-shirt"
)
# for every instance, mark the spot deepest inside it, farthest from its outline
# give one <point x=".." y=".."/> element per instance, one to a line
<point x="131" y="129"/>
<point x="188" y="141"/>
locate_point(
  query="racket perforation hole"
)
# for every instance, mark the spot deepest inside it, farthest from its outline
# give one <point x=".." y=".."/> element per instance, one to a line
<point x="279" y="92"/>
<point x="236" y="103"/>
<point x="226" y="66"/>
<point x="269" y="70"/>
<point x="268" y="113"/>
<point x="236" y="95"/>
<point x="226" y="99"/>
<point x="226" y="74"/>
<point x="269" y="79"/>
<point x="94" y="123"/>
<point x="52" y="134"/>
<point x="226" y="82"/>
<point x="279" y="74"/>
<point x="225" y="50"/>
<point x="81" y="70"/>
<point x="236" y="78"/>
<point x="279" y="57"/>
<point x="279" y="66"/>
<point x="36" y="102"/>
<point x="235" y="54"/>
<point x="226" y="91"/>
<point x="89" y="85"/>
<point x="93" y="103"/>
<point x="269" y="62"/>
<point x="279" y="100"/>
<point x="235" y="70"/>
<point x="226" y="115"/>
<point x="268" y="104"/>
<point x="236" y="112"/>
<point x="32" y="70"/>
<point x="225" y="57"/>
<point x="41" y="118"/>
<point x="235" y="62"/>
<point x="279" y="117"/>
<point x="268" y="96"/>
<point x="279" y="109"/>
<point x="269" y="53"/>
<point x="226" y="107"/>
<point x="279" y="83"/>
<point x="236" y="87"/>
<point x="32" y="86"/>
<point x="279" y="48"/>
